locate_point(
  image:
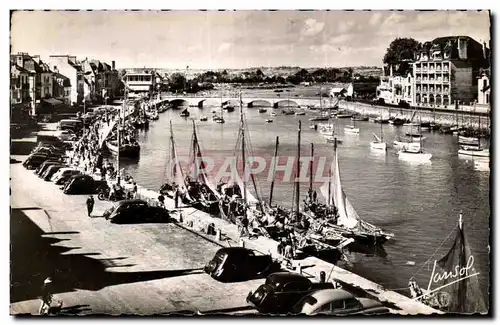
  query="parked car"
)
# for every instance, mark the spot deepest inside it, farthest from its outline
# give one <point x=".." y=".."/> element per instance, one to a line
<point x="281" y="292"/>
<point x="240" y="264"/>
<point x="123" y="205"/>
<point x="337" y="302"/>
<point x="67" y="135"/>
<point x="35" y="160"/>
<point x="64" y="174"/>
<point x="51" y="171"/>
<point x="132" y="211"/>
<point x="82" y="184"/>
<point x="46" y="164"/>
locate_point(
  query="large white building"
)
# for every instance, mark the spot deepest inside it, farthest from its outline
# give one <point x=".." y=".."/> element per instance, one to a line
<point x="140" y="83"/>
<point x="396" y="89"/>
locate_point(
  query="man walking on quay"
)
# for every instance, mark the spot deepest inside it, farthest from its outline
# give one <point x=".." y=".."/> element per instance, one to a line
<point x="90" y="205"/>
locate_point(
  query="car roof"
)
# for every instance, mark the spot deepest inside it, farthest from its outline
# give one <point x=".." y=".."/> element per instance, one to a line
<point x="280" y="276"/>
<point x="229" y="250"/>
<point x="131" y="201"/>
<point x="325" y="296"/>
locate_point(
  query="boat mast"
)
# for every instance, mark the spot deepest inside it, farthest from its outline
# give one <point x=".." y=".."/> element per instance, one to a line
<point x="172" y="152"/>
<point x="243" y="152"/>
<point x="320" y="101"/>
<point x="195" y="154"/>
<point x="274" y="171"/>
<point x="297" y="174"/>
<point x="311" y="168"/>
<point x="381" y="133"/>
<point x="118" y="138"/>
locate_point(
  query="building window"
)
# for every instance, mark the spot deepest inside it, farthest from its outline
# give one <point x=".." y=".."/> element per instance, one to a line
<point x="487" y="98"/>
<point x="485" y="83"/>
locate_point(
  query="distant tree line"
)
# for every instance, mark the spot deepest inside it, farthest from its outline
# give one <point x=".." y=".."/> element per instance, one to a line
<point x="177" y="82"/>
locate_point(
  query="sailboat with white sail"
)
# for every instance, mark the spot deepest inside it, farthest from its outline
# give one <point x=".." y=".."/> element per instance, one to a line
<point x="379" y="143"/>
<point x="458" y="288"/>
<point x="348" y="223"/>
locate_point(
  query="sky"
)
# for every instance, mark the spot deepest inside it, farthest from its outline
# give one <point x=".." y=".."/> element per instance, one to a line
<point x="234" y="39"/>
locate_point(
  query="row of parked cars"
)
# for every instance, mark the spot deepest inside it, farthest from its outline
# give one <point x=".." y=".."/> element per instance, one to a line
<point x="285" y="292"/>
<point x="48" y="162"/>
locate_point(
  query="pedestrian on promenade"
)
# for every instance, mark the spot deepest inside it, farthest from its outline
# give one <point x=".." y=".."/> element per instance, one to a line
<point x="161" y="199"/>
<point x="176" y="198"/>
<point x="90" y="205"/>
<point x="46" y="298"/>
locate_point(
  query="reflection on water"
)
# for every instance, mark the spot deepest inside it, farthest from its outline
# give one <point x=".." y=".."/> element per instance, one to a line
<point x="419" y="203"/>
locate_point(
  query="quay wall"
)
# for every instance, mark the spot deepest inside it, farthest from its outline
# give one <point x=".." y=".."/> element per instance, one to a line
<point x="443" y="118"/>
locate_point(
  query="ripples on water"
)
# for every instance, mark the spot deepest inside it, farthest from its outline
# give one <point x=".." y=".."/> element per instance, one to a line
<point x="418" y="203"/>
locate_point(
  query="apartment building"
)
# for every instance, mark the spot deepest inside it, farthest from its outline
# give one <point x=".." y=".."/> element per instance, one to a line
<point x="69" y="67"/>
<point x="446" y="71"/>
<point x="140" y="83"/>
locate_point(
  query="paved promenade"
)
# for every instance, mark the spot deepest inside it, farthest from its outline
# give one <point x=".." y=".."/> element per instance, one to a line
<point x="98" y="267"/>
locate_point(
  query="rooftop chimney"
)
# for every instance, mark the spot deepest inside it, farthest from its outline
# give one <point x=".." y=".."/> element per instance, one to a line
<point x="113" y="65"/>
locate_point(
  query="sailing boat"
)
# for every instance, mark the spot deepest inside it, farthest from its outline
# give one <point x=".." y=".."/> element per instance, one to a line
<point x="332" y="138"/>
<point x="348" y="223"/>
<point x="379" y="143"/>
<point x="176" y="181"/>
<point x="123" y="145"/>
<point x="236" y="201"/>
<point x="474" y="150"/>
<point x="414" y="153"/>
<point x="351" y="129"/>
<point x="458" y="290"/>
<point x="323" y="116"/>
<point x="203" y="193"/>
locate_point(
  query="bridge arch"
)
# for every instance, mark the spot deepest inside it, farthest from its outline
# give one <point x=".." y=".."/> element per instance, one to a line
<point x="209" y="102"/>
<point x="260" y="103"/>
<point x="231" y="102"/>
<point x="285" y="103"/>
<point x="179" y="102"/>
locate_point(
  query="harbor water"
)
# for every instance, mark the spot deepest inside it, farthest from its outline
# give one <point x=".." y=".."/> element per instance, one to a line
<point x="420" y="204"/>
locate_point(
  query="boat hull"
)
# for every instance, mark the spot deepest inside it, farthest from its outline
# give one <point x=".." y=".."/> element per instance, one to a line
<point x="351" y="130"/>
<point x="125" y="151"/>
<point x="474" y="153"/>
<point x="471" y="141"/>
<point x="414" y="156"/>
<point x="378" y="146"/>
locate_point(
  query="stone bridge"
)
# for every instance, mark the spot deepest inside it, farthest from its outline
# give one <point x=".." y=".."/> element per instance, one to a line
<point x="202" y="102"/>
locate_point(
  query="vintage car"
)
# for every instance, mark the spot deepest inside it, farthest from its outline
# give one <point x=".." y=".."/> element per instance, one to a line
<point x="45" y="165"/>
<point x="337" y="302"/>
<point x="281" y="291"/>
<point x="51" y="170"/>
<point x="35" y="160"/>
<point x="136" y="211"/>
<point x="82" y="184"/>
<point x="233" y="264"/>
<point x="64" y="174"/>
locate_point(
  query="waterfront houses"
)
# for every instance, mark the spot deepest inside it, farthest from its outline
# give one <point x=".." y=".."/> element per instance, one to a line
<point x="484" y="87"/>
<point x="395" y="89"/>
<point x="140" y="82"/>
<point x="446" y="71"/>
